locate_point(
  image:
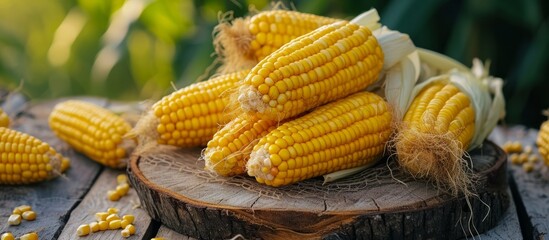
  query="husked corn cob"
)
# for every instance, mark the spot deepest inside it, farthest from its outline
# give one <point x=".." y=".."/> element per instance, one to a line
<point x="92" y="130"/>
<point x="190" y="116"/>
<point x="244" y="42"/>
<point x="25" y="159"/>
<point x="448" y="115"/>
<point x="230" y="148"/>
<point x="326" y="64"/>
<point x="343" y="134"/>
<point x="543" y="141"/>
<point x="4" y="119"/>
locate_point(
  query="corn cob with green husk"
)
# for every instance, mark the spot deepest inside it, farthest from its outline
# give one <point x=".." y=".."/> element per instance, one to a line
<point x="347" y="133"/>
<point x="26" y="159"/>
<point x="543" y="140"/>
<point x="326" y="64"/>
<point x="448" y="115"/>
<point x="94" y="131"/>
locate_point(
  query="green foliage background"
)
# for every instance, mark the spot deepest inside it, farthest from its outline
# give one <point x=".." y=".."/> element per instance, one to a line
<point x="136" y="49"/>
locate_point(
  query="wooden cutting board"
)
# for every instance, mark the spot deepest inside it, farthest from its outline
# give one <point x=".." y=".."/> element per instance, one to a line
<point x="379" y="203"/>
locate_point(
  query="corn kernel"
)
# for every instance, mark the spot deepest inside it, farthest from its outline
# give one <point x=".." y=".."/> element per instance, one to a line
<point x="122" y="178"/>
<point x="101" y="216"/>
<point x="112" y="210"/>
<point x="528" y="167"/>
<point x="17" y="211"/>
<point x="129" y="218"/>
<point x="115" y="224"/>
<point x="516" y="146"/>
<point x="130" y="228"/>
<point x="523" y="157"/>
<point x="29" y="236"/>
<point x="124" y="223"/>
<point x="112" y="217"/>
<point x="94" y="227"/>
<point x="123" y="189"/>
<point x="103" y="225"/>
<point x="113" y="195"/>
<point x="533" y="158"/>
<point x="23" y="208"/>
<point x="14" y="219"/>
<point x="514" y="158"/>
<point x="7" y="236"/>
<point x="125" y="233"/>
<point x="29" y="215"/>
<point x="83" y="230"/>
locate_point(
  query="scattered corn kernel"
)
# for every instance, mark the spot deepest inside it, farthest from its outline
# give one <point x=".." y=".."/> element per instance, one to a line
<point x="29" y="215"/>
<point x="528" y="167"/>
<point x="112" y="210"/>
<point x="129" y="218"/>
<point x="122" y="178"/>
<point x="516" y="146"/>
<point x="103" y="225"/>
<point x="29" y="236"/>
<point x="94" y="227"/>
<point x="523" y="157"/>
<point x="83" y="230"/>
<point x="113" y="195"/>
<point x="533" y="158"/>
<point x="123" y="189"/>
<point x="130" y="228"/>
<point x="16" y="211"/>
<point x="7" y="236"/>
<point x="14" y="219"/>
<point x="125" y="233"/>
<point x="23" y="208"/>
<point x="528" y="149"/>
<point x="112" y="217"/>
<point x="124" y="223"/>
<point x="115" y="224"/>
<point x="101" y="216"/>
<point x="514" y="158"/>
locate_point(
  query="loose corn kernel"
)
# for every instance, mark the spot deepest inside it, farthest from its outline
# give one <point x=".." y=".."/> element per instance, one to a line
<point x="112" y="217"/>
<point x="23" y="208"/>
<point x="83" y="230"/>
<point x="14" y="219"/>
<point x="528" y="167"/>
<point x="115" y="224"/>
<point x="514" y="158"/>
<point x="92" y="130"/>
<point x="113" y="210"/>
<point x="101" y="216"/>
<point x="542" y="141"/>
<point x="29" y="236"/>
<point x="129" y="218"/>
<point x="124" y="223"/>
<point x="123" y="189"/>
<point x="125" y="233"/>
<point x="94" y="227"/>
<point x="113" y="195"/>
<point x="523" y="157"/>
<point x="122" y="178"/>
<point x="29" y="215"/>
<point x="103" y="225"/>
<point x="533" y="158"/>
<point x="130" y="228"/>
<point x="516" y="146"/>
<point x="7" y="236"/>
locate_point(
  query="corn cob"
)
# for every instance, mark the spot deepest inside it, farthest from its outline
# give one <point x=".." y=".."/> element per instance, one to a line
<point x="92" y="130"/>
<point x="244" y="42"/>
<point x="543" y="141"/>
<point x="343" y="134"/>
<point x="25" y="159"/>
<point x="448" y="115"/>
<point x="230" y="148"/>
<point x="326" y="64"/>
<point x="4" y="119"/>
<point x="190" y="116"/>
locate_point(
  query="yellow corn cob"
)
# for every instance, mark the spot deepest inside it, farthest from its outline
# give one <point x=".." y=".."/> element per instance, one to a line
<point x="244" y="42"/>
<point x="25" y="159"/>
<point x="343" y="134"/>
<point x="448" y="115"/>
<point x="230" y="148"/>
<point x="4" y="119"/>
<point x="92" y="130"/>
<point x="190" y="116"/>
<point x="326" y="64"/>
<point x="543" y="141"/>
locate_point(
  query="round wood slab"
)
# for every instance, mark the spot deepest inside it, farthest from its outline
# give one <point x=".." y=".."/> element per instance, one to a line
<point x="379" y="203"/>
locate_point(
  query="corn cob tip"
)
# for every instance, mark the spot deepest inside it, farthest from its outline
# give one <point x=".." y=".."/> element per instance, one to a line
<point x="259" y="165"/>
<point x="145" y="129"/>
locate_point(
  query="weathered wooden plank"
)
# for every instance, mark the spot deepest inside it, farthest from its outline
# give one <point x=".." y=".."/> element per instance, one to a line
<point x="533" y="187"/>
<point x="508" y="227"/>
<point x="96" y="201"/>
<point x="167" y="233"/>
<point x="52" y="200"/>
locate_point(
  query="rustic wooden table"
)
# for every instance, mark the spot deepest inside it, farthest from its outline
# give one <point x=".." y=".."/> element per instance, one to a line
<point x="66" y="202"/>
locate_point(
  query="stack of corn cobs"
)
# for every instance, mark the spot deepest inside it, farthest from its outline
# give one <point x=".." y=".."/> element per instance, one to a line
<point x="301" y="96"/>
